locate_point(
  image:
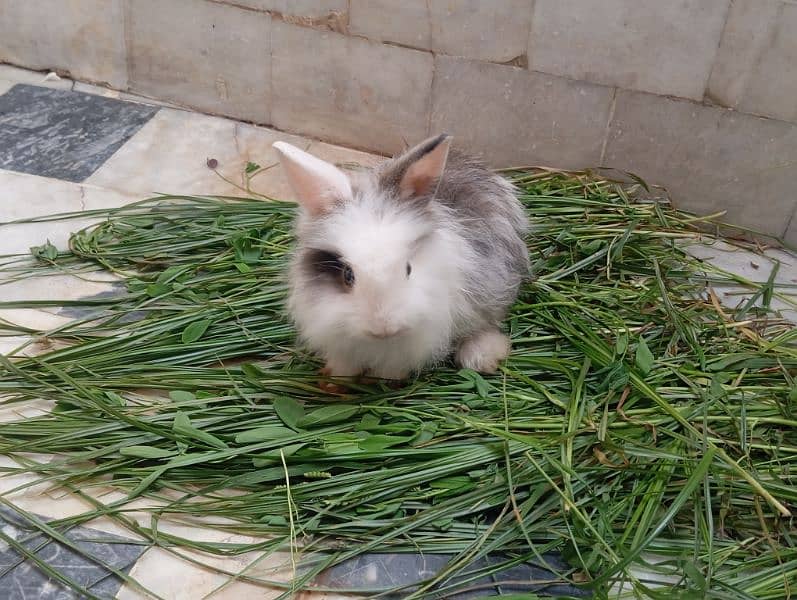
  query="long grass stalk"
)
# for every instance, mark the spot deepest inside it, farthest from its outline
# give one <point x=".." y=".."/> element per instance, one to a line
<point x="636" y="417"/>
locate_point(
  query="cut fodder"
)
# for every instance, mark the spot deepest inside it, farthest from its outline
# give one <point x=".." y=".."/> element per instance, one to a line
<point x="640" y="430"/>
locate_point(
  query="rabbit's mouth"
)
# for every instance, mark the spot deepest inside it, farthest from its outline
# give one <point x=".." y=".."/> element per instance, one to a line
<point x="384" y="332"/>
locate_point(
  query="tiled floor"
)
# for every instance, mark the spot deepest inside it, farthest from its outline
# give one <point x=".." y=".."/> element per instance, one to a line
<point x="105" y="153"/>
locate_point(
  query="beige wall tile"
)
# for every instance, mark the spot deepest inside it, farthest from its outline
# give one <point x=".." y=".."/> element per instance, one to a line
<point x="710" y="158"/>
<point x="349" y="90"/>
<point x="512" y="116"/>
<point x="209" y="56"/>
<point x="84" y="37"/>
<point x="659" y="46"/>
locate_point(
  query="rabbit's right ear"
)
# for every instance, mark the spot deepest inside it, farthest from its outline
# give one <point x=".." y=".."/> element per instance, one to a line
<point x="318" y="185"/>
<point x="413" y="173"/>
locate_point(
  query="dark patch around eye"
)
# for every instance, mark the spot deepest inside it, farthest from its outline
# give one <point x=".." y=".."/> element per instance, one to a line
<point x="323" y="261"/>
<point x="330" y="265"/>
<point x="409" y="269"/>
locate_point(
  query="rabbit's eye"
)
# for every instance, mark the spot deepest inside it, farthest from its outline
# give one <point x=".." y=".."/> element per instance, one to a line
<point x="348" y="275"/>
<point x="409" y="269"/>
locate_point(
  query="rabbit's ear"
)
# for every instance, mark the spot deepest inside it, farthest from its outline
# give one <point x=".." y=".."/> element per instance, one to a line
<point x="318" y="185"/>
<point x="417" y="170"/>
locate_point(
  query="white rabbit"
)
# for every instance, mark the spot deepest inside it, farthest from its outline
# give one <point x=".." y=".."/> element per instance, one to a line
<point x="396" y="267"/>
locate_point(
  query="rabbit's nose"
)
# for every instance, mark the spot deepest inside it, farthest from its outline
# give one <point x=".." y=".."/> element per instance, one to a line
<point x="385" y="330"/>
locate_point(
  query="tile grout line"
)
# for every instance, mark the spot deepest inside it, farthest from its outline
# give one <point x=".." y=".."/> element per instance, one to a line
<point x="607" y="131"/>
<point x="529" y="37"/>
<point x="434" y="69"/>
<point x="713" y="65"/>
<point x="128" y="34"/>
<point x="789" y="222"/>
<point x="270" y="109"/>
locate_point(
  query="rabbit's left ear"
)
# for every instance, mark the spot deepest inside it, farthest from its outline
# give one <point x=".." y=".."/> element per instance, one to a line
<point x="417" y="170"/>
<point x="318" y="185"/>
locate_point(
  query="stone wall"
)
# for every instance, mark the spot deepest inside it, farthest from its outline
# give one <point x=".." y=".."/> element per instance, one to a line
<point x="698" y="95"/>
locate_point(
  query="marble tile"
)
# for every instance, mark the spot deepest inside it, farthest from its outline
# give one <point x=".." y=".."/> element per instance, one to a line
<point x="373" y="571"/>
<point x="157" y="567"/>
<point x="22" y="580"/>
<point x="63" y="134"/>
<point x="171" y="152"/>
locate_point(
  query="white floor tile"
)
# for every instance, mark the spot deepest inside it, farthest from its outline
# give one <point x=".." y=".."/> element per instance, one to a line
<point x="755" y="268"/>
<point x="170" y="153"/>
<point x="98" y="90"/>
<point x="6" y="85"/>
<point x="24" y="196"/>
<point x="17" y="75"/>
<point x="61" y="287"/>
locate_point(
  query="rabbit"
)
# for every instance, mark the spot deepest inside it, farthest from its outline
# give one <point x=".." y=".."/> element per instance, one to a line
<point x="397" y="266"/>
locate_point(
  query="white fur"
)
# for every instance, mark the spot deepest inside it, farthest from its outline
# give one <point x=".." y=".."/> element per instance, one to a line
<point x="387" y="324"/>
<point x="427" y="308"/>
<point x="483" y="351"/>
<point x="318" y="184"/>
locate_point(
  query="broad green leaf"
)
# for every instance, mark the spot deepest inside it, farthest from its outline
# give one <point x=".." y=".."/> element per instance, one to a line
<point x="289" y="411"/>
<point x="252" y="371"/>
<point x="146" y="452"/>
<point x="158" y="289"/>
<point x="181" y="396"/>
<point x="195" y="331"/>
<point x="694" y="574"/>
<point x="264" y="434"/>
<point x="181" y="422"/>
<point x="369" y="421"/>
<point x="115" y="398"/>
<point x="454" y="482"/>
<point x="335" y="413"/>
<point x="644" y="358"/>
<point x="195" y="458"/>
<point x="377" y="442"/>
<point x="46" y="251"/>
<point x="613" y="377"/>
<point x="183" y="426"/>
<point x="482" y="386"/>
<point x="621" y="343"/>
<point x="272" y="456"/>
<point x="341" y="448"/>
<point x="170" y="273"/>
<point x="425" y="434"/>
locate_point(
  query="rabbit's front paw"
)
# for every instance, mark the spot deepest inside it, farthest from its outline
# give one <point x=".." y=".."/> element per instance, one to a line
<point x="483" y="351"/>
<point x="334" y="370"/>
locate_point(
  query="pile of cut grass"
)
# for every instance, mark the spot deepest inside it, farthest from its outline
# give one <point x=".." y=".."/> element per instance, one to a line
<point x="639" y="429"/>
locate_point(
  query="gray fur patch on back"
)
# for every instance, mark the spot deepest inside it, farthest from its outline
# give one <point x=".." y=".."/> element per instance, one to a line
<point x="494" y="223"/>
<point x="486" y="214"/>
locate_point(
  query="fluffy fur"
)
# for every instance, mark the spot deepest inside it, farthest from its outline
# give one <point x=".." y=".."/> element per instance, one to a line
<point x="434" y="244"/>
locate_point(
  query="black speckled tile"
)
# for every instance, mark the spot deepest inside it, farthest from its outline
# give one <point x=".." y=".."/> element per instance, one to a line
<point x="22" y="580"/>
<point x="63" y="134"/>
<point x="385" y="571"/>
